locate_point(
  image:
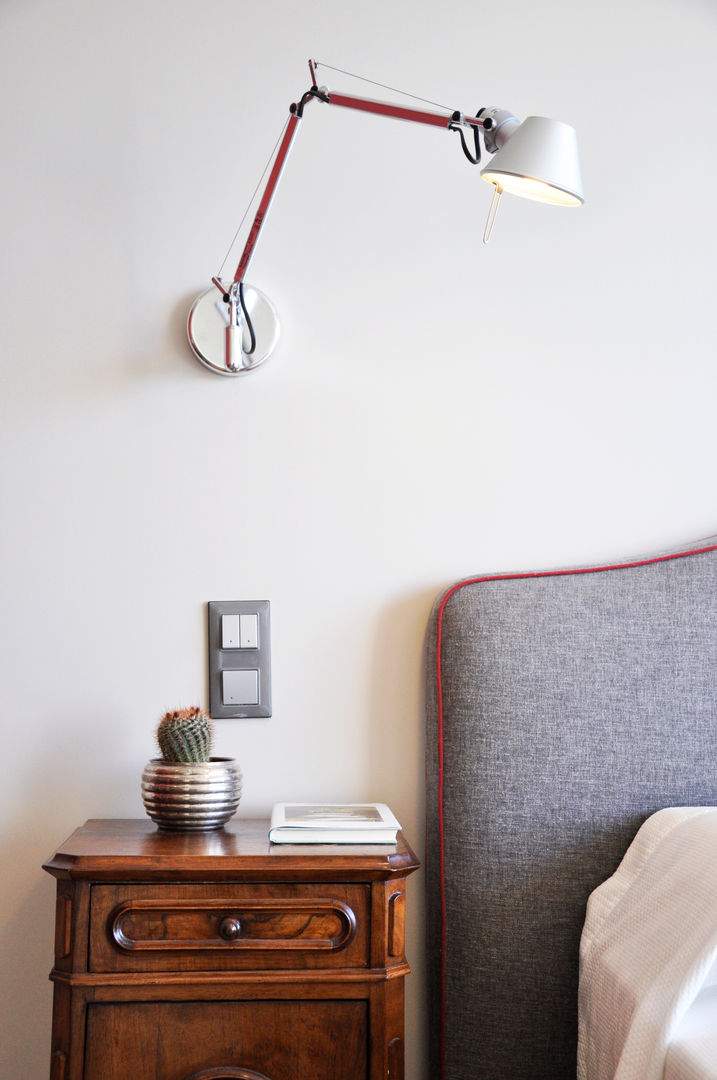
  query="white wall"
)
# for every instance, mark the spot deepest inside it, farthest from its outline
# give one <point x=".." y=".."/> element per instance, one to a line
<point x="436" y="408"/>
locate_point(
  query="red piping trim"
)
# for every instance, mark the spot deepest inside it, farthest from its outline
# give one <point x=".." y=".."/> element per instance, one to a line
<point x="439" y="692"/>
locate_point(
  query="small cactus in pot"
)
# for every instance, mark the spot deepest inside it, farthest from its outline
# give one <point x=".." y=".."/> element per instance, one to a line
<point x="187" y="790"/>
<point x="185" y="735"/>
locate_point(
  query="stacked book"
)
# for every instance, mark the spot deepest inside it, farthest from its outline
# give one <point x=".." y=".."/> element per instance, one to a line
<point x="337" y="823"/>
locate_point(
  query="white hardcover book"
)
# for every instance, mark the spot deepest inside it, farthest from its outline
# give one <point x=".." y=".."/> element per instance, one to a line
<point x="334" y="823"/>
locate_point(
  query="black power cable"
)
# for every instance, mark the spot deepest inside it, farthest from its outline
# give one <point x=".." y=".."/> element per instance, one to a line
<point x="249" y="326"/>
<point x="473" y="158"/>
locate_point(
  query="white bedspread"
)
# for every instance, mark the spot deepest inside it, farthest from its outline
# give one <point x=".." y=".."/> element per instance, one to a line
<point x="648" y="956"/>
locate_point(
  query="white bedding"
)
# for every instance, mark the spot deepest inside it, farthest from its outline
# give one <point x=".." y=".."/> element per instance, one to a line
<point x="648" y="957"/>
<point x="693" y="1053"/>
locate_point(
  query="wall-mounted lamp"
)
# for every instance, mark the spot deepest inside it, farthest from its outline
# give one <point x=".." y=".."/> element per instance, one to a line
<point x="233" y="328"/>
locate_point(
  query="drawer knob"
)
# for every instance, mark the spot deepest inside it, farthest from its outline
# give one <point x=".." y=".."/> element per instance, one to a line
<point x="230" y="928"/>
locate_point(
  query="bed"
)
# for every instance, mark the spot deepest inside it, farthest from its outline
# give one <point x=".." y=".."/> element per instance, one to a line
<point x="564" y="708"/>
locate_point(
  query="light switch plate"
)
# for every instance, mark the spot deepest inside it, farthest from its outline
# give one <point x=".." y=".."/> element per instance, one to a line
<point x="253" y="655"/>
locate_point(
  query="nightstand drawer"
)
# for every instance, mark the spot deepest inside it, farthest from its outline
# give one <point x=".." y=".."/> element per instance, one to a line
<point x="228" y="927"/>
<point x="276" y="1040"/>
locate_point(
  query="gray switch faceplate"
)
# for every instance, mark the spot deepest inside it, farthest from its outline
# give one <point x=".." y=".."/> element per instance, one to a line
<point x="239" y="659"/>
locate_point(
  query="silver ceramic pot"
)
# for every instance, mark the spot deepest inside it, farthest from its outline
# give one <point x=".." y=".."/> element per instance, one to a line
<point x="191" y="797"/>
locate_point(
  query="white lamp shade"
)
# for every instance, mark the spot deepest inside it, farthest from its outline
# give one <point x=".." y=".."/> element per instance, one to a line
<point x="539" y="161"/>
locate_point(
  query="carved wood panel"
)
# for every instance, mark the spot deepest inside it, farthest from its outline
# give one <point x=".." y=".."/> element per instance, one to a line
<point x="234" y="927"/>
<point x="268" y="1040"/>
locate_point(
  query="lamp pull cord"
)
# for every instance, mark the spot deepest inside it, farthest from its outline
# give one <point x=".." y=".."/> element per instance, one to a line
<point x="492" y="212"/>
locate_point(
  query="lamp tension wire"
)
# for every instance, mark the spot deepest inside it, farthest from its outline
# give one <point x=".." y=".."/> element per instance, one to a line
<point x="251" y="200"/>
<point x="393" y="89"/>
<point x="474" y="158"/>
<point x="351" y="75"/>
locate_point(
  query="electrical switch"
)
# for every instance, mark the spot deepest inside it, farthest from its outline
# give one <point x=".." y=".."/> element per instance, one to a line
<point x="230" y="631"/>
<point x="248" y="631"/>
<point x="240" y="687"/>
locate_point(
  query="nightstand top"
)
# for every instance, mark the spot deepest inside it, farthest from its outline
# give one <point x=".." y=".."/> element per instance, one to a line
<point x="135" y="849"/>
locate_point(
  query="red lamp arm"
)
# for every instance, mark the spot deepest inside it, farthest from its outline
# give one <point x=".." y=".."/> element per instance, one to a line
<point x="398" y="112"/>
<point x="269" y="190"/>
<point x="379" y="108"/>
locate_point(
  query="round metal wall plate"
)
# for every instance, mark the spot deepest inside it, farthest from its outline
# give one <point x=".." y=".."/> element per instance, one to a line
<point x="208" y="319"/>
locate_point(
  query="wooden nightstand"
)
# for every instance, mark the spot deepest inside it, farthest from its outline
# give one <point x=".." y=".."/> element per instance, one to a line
<point x="219" y="956"/>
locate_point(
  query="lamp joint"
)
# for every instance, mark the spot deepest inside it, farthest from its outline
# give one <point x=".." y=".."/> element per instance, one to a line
<point x="313" y="92"/>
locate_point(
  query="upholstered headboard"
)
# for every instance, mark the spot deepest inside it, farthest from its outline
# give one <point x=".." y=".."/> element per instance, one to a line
<point x="563" y="708"/>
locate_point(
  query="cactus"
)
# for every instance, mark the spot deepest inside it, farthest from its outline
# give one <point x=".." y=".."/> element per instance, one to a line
<point x="185" y="735"/>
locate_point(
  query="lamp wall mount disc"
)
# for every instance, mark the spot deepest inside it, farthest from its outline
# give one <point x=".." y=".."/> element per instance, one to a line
<point x="207" y="323"/>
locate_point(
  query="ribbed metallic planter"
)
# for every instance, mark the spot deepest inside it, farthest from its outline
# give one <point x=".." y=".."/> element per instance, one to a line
<point x="191" y="797"/>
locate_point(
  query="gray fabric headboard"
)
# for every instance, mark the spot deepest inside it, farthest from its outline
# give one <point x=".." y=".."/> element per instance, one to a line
<point x="563" y="708"/>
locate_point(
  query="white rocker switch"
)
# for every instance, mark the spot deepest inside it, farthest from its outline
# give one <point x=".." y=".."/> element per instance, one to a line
<point x="230" y="632"/>
<point x="248" y="631"/>
<point x="240" y="687"/>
